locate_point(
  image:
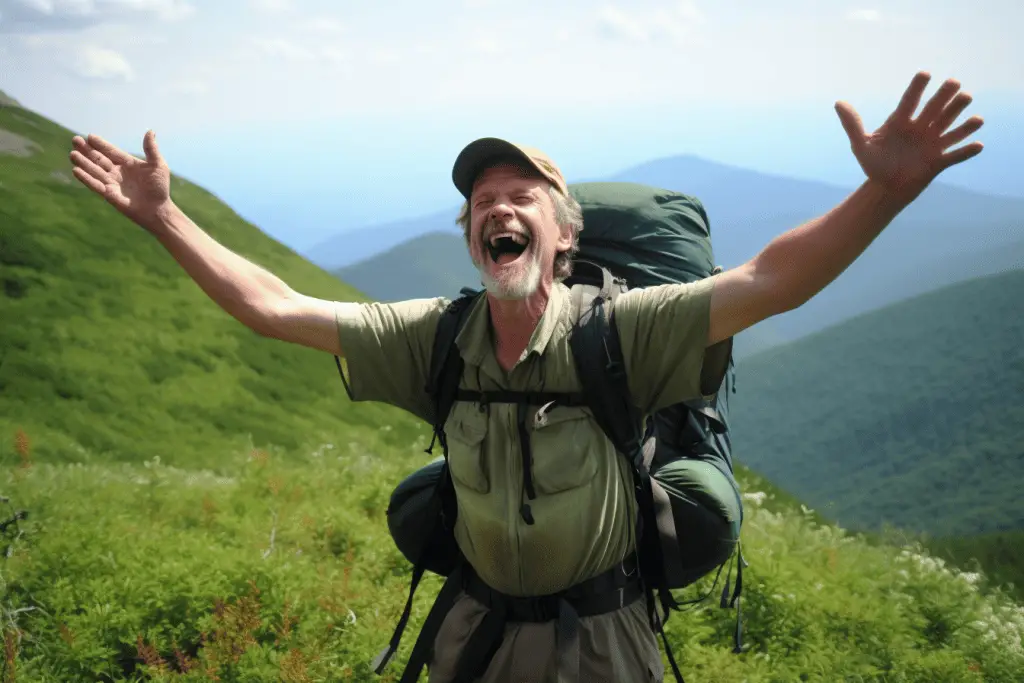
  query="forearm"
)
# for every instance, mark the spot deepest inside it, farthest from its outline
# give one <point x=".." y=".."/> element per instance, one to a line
<point x="800" y="263"/>
<point x="243" y="289"/>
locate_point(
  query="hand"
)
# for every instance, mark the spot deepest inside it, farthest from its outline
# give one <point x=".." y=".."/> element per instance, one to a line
<point x="138" y="189"/>
<point x="904" y="155"/>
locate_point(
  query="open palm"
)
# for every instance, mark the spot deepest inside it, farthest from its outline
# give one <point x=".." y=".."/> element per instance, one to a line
<point x="905" y="154"/>
<point x="137" y="188"/>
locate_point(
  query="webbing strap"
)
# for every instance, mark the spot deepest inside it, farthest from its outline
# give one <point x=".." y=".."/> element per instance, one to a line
<point x="424" y="647"/>
<point x="385" y="656"/>
<point x="533" y="398"/>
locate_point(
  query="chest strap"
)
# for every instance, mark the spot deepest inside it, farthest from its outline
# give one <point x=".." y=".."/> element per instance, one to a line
<point x="530" y="398"/>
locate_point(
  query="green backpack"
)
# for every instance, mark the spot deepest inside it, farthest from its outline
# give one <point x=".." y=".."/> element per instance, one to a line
<point x="642" y="236"/>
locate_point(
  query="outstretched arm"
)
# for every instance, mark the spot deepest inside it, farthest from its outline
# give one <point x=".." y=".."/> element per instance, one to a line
<point x="140" y="189"/>
<point x="900" y="160"/>
<point x="252" y="295"/>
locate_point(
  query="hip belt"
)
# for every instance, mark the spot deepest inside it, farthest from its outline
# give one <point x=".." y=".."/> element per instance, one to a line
<point x="610" y="591"/>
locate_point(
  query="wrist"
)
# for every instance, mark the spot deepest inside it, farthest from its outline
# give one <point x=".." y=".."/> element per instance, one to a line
<point x="887" y="202"/>
<point x="162" y="218"/>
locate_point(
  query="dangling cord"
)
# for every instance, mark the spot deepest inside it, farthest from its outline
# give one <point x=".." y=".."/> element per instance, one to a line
<point x="525" y="450"/>
<point x="736" y="600"/>
<point x="724" y="603"/>
<point x="348" y="389"/>
<point x="660" y="628"/>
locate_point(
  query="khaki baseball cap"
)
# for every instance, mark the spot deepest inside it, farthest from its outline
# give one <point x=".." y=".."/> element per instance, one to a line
<point x="477" y="154"/>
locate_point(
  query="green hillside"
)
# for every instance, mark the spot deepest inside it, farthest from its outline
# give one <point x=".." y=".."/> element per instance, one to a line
<point x="999" y="555"/>
<point x="910" y="415"/>
<point x="107" y="348"/>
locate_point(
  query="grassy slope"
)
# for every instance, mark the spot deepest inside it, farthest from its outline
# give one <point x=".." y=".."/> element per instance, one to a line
<point x="108" y="348"/>
<point x="906" y="415"/>
<point x="282" y="571"/>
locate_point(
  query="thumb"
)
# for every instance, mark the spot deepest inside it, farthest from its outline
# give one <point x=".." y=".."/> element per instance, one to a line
<point x="852" y="124"/>
<point x="152" y="150"/>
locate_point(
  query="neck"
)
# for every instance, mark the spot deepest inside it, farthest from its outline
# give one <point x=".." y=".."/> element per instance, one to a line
<point x="514" y="321"/>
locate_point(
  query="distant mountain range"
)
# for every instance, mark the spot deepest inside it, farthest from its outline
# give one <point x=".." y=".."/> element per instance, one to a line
<point x="947" y="235"/>
<point x="910" y="415"/>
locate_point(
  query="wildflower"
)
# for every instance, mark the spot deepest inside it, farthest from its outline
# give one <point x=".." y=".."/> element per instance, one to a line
<point x="756" y="497"/>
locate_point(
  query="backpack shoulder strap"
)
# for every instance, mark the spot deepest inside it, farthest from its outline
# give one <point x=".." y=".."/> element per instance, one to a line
<point x="598" y="356"/>
<point x="597" y="352"/>
<point x="446" y="363"/>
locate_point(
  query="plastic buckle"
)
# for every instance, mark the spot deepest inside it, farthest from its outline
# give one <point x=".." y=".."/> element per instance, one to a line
<point x="382" y="659"/>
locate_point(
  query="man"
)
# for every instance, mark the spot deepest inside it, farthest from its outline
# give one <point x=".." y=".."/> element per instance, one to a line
<point x="576" y="520"/>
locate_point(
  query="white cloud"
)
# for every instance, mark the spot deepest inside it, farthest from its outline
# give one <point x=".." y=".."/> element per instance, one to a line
<point x="284" y="49"/>
<point x="103" y="64"/>
<point x="272" y="5"/>
<point x="870" y="15"/>
<point x="677" y="22"/>
<point x="43" y="6"/>
<point x="308" y="53"/>
<point x="327" y="26"/>
<point x="43" y="15"/>
<point x="618" y="24"/>
<point x="334" y="55"/>
<point x="385" y="56"/>
<point x="187" y="87"/>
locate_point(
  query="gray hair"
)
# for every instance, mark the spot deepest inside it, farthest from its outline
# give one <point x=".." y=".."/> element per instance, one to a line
<point x="567" y="212"/>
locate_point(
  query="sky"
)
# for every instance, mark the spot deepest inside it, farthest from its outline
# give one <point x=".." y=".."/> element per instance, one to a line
<point x="315" y="117"/>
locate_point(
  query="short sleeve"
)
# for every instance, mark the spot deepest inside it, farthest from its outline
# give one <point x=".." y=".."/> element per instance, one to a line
<point x="663" y="332"/>
<point x="387" y="348"/>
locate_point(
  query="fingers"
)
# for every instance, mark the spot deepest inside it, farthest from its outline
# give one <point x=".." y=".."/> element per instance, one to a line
<point x="109" y="150"/>
<point x="85" y="164"/>
<point x="961" y="154"/>
<point x="90" y="182"/>
<point x="852" y="123"/>
<point x="951" y="112"/>
<point x="912" y="96"/>
<point x="94" y="155"/>
<point x="938" y="102"/>
<point x="961" y="132"/>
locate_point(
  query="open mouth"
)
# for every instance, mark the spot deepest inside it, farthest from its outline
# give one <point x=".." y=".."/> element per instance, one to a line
<point x="511" y="244"/>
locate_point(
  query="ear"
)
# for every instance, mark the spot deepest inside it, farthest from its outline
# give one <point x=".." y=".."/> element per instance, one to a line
<point x="564" y="237"/>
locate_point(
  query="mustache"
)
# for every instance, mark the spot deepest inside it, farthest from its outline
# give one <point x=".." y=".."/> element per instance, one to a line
<point x="492" y="226"/>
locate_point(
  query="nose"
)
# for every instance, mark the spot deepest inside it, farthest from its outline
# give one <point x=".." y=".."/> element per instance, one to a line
<point x="500" y="211"/>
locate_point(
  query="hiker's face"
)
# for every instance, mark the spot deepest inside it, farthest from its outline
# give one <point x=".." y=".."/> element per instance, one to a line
<point x="513" y="233"/>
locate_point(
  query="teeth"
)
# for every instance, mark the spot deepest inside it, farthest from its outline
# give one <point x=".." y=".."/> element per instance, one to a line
<point x="516" y="237"/>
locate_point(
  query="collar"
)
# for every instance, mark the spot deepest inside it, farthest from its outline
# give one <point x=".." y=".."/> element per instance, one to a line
<point x="476" y="341"/>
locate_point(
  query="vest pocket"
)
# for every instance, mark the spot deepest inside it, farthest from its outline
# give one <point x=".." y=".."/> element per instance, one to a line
<point x="466" y="429"/>
<point x="564" y="448"/>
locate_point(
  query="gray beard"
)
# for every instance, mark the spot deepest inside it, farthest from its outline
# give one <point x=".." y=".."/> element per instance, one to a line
<point x="522" y="287"/>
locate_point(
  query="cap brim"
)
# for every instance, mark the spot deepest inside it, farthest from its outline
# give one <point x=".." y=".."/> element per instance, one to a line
<point x="477" y="154"/>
